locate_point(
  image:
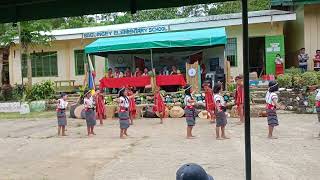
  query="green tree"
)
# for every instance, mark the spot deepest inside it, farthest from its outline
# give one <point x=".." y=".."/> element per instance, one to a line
<point x="235" y="7"/>
<point x="77" y="22"/>
<point x="30" y="35"/>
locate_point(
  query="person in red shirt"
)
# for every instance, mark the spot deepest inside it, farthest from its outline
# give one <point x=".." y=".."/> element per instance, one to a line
<point x="138" y="72"/>
<point x="117" y="73"/>
<point x="132" y="105"/>
<point x="110" y="73"/>
<point x="239" y="96"/>
<point x="159" y="105"/>
<point x="145" y="72"/>
<point x="316" y="60"/>
<point x="128" y="72"/>
<point x="209" y="102"/>
<point x="100" y="107"/>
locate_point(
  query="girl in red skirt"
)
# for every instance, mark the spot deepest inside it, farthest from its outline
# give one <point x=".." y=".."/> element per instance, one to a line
<point x="209" y="102"/>
<point x="132" y="106"/>
<point x="239" y="98"/>
<point x="100" y="107"/>
<point x="159" y="105"/>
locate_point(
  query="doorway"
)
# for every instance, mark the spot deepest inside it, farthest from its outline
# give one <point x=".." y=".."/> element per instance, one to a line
<point x="4" y="69"/>
<point x="257" y="55"/>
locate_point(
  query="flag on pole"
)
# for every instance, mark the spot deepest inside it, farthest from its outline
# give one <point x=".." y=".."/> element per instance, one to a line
<point x="91" y="76"/>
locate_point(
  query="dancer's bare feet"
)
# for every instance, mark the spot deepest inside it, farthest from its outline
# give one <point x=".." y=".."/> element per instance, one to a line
<point x="272" y="137"/>
<point x="191" y="137"/>
<point x="225" y="137"/>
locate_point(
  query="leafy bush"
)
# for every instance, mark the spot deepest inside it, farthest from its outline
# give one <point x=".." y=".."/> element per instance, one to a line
<point x="17" y="92"/>
<point x="232" y="87"/>
<point x="293" y="71"/>
<point x="318" y="76"/>
<point x="41" y="91"/>
<point x="309" y="78"/>
<point x="297" y="81"/>
<point x="285" y="80"/>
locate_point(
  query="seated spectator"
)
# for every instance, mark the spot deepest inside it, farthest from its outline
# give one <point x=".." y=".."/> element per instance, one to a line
<point x="165" y="71"/>
<point x="174" y="70"/>
<point x="109" y="73"/>
<point x="138" y="72"/>
<point x="145" y="72"/>
<point x="128" y="72"/>
<point x="117" y="73"/>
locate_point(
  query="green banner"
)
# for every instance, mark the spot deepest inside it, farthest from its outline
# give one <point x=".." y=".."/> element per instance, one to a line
<point x="274" y="45"/>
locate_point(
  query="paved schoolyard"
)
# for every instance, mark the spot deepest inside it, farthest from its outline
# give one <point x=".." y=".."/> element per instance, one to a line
<point x="30" y="149"/>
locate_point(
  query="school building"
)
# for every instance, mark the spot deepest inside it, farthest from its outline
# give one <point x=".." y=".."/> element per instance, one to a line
<point x="304" y="32"/>
<point x="65" y="59"/>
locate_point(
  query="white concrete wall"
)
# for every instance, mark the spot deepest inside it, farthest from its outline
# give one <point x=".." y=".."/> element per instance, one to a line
<point x="294" y="37"/>
<point x="255" y="30"/>
<point x="312" y="31"/>
<point x="66" y="62"/>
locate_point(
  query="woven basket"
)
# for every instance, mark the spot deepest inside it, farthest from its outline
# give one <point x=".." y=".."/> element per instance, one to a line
<point x="203" y="114"/>
<point x="110" y="110"/>
<point x="78" y="112"/>
<point x="176" y="112"/>
<point x="166" y="114"/>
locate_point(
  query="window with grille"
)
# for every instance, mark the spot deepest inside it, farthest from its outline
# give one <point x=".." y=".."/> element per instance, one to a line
<point x="231" y="51"/>
<point x="43" y="64"/>
<point x="81" y="60"/>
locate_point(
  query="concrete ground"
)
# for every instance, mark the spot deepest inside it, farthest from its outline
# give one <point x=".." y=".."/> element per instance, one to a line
<point x="30" y="150"/>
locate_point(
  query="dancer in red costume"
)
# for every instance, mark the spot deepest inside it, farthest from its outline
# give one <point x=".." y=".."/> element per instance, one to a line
<point x="209" y="102"/>
<point x="159" y="105"/>
<point x="132" y="106"/>
<point x="100" y="107"/>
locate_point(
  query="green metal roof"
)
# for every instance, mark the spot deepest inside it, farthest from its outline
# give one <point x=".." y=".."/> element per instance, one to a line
<point x="21" y="10"/>
<point x="180" y="39"/>
<point x="292" y="2"/>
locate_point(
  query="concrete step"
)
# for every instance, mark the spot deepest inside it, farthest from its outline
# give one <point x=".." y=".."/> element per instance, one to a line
<point x="258" y="89"/>
<point x="259" y="100"/>
<point x="258" y="94"/>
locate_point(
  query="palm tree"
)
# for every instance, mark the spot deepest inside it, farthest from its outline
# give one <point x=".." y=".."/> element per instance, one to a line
<point x="30" y="35"/>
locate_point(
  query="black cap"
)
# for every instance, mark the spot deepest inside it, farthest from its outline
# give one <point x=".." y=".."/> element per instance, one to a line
<point x="63" y="94"/>
<point x="192" y="171"/>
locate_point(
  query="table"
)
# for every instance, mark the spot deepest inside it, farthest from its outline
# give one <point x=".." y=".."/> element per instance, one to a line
<point x="70" y="82"/>
<point x="125" y="81"/>
<point x="170" y="80"/>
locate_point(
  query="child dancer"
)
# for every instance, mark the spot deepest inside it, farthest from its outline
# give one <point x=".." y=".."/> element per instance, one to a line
<point x="90" y="112"/>
<point x="100" y="107"/>
<point x="61" y="114"/>
<point x="123" y="112"/>
<point x="132" y="107"/>
<point x="221" y="117"/>
<point x="209" y="102"/>
<point x="190" y="111"/>
<point x="318" y="105"/>
<point x="272" y="103"/>
<point x="239" y="97"/>
<point x="159" y="105"/>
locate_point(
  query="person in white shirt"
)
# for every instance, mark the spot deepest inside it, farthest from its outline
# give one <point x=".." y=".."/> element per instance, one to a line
<point x="220" y="111"/>
<point x="303" y="58"/>
<point x="61" y="114"/>
<point x="189" y="110"/>
<point x="272" y="103"/>
<point x="89" y="105"/>
<point x="123" y="114"/>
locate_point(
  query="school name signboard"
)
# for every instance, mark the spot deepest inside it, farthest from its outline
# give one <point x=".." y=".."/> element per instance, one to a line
<point x="126" y="32"/>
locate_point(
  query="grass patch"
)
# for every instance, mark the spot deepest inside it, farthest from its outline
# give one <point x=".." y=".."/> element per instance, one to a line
<point x="32" y="115"/>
